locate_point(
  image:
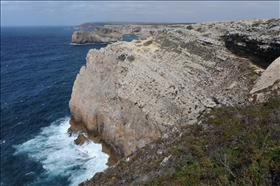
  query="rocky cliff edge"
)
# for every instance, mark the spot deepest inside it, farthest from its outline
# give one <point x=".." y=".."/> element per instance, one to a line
<point x="131" y="93"/>
<point x="113" y="33"/>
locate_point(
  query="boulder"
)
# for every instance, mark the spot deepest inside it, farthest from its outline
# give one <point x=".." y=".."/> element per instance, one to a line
<point x="269" y="77"/>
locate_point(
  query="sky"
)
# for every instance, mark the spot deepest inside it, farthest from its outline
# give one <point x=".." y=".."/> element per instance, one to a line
<point x="72" y="13"/>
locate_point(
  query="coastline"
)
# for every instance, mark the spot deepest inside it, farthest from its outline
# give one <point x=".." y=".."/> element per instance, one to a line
<point x="131" y="94"/>
<point x="85" y="135"/>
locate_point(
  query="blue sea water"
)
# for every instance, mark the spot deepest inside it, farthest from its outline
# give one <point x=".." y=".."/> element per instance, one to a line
<point x="38" y="69"/>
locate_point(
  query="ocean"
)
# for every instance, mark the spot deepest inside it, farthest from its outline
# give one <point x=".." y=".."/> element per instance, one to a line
<point x="38" y="68"/>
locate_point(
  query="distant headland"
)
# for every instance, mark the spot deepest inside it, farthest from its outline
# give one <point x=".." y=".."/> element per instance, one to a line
<point x="89" y="26"/>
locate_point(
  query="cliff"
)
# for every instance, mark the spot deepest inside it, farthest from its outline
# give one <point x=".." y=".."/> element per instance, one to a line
<point x="88" y="26"/>
<point x="99" y="35"/>
<point x="113" y="33"/>
<point x="130" y="94"/>
<point x="229" y="146"/>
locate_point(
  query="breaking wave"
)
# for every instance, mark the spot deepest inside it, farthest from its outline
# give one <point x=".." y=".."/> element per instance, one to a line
<point x="60" y="157"/>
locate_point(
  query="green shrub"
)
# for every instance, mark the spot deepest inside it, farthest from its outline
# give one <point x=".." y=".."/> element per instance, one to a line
<point x="240" y="146"/>
<point x="131" y="58"/>
<point x="189" y="27"/>
<point x="243" y="148"/>
<point x="147" y="43"/>
<point x="121" y="57"/>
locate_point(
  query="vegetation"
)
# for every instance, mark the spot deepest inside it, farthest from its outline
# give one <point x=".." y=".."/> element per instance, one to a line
<point x="122" y="57"/>
<point x="130" y="58"/>
<point x="230" y="146"/>
<point x="240" y="147"/>
<point x="147" y="43"/>
<point x="189" y="27"/>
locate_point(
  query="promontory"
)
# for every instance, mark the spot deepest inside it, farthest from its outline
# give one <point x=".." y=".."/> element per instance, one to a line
<point x="113" y="33"/>
<point x="130" y="94"/>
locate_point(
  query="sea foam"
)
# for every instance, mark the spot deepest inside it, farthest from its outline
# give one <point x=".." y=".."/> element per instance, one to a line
<point x="61" y="157"/>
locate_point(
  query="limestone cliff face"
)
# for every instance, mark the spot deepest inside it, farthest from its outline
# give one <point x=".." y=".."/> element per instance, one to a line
<point x="99" y="35"/>
<point x="132" y="93"/>
<point x="258" y="40"/>
<point x="268" y="83"/>
<point x="113" y="33"/>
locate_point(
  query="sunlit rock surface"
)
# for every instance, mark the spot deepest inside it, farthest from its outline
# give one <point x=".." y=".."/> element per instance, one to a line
<point x="131" y="93"/>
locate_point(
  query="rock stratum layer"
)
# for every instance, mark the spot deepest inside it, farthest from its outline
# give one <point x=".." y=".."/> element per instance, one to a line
<point x="131" y="93"/>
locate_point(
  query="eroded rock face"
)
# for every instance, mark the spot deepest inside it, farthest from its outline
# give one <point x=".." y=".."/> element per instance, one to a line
<point x="258" y="40"/>
<point x="99" y="35"/>
<point x="268" y="83"/>
<point x="113" y="33"/>
<point x="133" y="93"/>
<point x="95" y="101"/>
<point x="81" y="37"/>
<point x="268" y="77"/>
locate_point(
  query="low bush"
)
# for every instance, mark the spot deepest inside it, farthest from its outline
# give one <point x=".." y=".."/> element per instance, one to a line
<point x="189" y="27"/>
<point x="231" y="146"/>
<point x="147" y="43"/>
